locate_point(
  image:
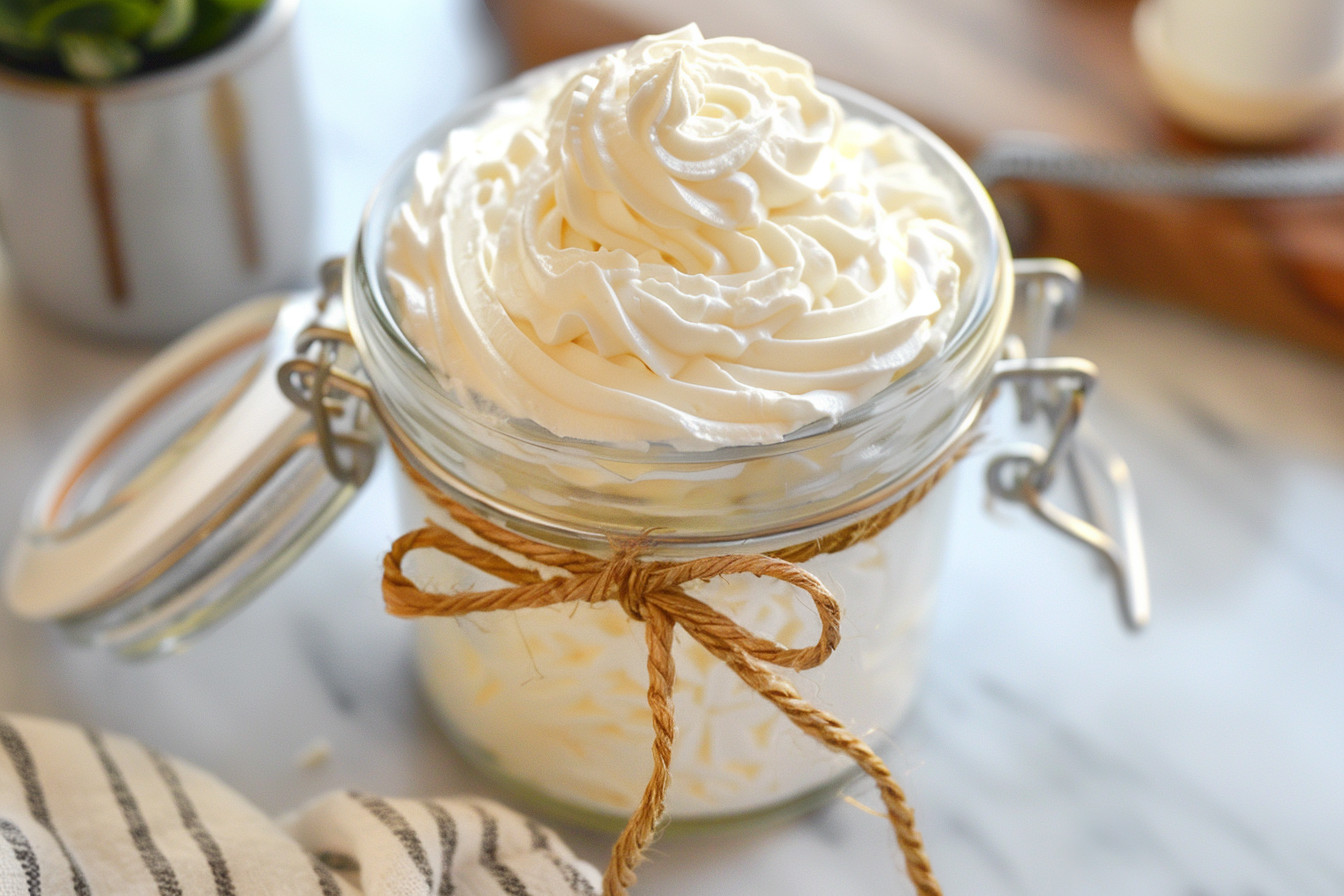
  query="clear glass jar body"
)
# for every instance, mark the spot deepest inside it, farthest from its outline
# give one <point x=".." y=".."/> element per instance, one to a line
<point x="553" y="700"/>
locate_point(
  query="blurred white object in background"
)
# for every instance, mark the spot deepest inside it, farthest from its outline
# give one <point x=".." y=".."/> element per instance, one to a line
<point x="1244" y="71"/>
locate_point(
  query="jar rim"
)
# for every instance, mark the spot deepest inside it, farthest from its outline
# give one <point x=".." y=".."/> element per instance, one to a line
<point x="374" y="319"/>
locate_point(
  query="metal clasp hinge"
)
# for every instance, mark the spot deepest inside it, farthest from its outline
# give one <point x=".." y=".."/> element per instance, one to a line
<point x="1056" y="390"/>
<point x="323" y="380"/>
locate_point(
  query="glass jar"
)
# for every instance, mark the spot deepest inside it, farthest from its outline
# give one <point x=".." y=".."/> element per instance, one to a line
<point x="552" y="700"/>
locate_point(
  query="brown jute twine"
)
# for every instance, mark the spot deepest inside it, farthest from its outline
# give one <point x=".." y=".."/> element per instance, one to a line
<point x="651" y="592"/>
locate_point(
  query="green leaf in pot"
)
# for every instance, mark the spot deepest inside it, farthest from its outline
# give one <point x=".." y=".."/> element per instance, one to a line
<point x="101" y="40"/>
<point x="96" y="57"/>
<point x="173" y="24"/>
<point x="97" y="18"/>
<point x="13" y="30"/>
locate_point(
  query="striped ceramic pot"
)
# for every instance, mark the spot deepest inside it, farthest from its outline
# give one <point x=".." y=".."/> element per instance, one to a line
<point x="138" y="209"/>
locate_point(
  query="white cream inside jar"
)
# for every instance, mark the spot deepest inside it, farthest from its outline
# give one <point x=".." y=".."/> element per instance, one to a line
<point x="685" y="242"/>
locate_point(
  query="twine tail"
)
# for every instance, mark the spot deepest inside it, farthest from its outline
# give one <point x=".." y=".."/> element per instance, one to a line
<point x="829" y="730"/>
<point x="628" y="851"/>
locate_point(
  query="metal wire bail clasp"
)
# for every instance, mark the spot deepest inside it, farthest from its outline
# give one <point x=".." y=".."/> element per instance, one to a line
<point x="323" y="380"/>
<point x="1055" y="390"/>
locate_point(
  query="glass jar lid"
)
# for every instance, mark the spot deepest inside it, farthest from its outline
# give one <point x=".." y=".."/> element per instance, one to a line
<point x="193" y="486"/>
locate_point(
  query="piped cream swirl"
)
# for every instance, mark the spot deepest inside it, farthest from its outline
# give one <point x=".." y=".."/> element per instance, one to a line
<point x="685" y="242"/>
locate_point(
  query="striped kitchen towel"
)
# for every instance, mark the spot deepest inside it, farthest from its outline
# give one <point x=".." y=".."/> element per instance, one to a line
<point x="87" y="813"/>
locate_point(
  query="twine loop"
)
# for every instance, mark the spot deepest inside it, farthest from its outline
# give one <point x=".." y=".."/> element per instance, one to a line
<point x="651" y="592"/>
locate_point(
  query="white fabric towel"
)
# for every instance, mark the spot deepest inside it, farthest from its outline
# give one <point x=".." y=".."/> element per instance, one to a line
<point x="87" y="813"/>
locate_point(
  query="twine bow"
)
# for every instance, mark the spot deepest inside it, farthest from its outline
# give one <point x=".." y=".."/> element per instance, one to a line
<point x="651" y="592"/>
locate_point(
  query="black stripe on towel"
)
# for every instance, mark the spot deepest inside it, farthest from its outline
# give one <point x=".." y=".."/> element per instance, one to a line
<point x="23" y="851"/>
<point x="503" y="875"/>
<point x="339" y="861"/>
<point x="576" y="881"/>
<point x="447" y="845"/>
<point x="325" y="879"/>
<point x="150" y="854"/>
<point x="22" y="760"/>
<point x="402" y="830"/>
<point x="191" y="820"/>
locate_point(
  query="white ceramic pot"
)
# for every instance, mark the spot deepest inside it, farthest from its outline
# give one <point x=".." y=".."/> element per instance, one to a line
<point x="139" y="209"/>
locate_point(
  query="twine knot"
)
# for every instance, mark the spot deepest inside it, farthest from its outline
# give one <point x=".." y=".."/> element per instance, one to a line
<point x="626" y="580"/>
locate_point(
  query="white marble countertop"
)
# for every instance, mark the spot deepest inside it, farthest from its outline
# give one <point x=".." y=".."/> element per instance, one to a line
<point x="1049" y="752"/>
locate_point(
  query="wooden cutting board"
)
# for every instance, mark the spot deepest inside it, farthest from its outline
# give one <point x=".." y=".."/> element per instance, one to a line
<point x="974" y="70"/>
